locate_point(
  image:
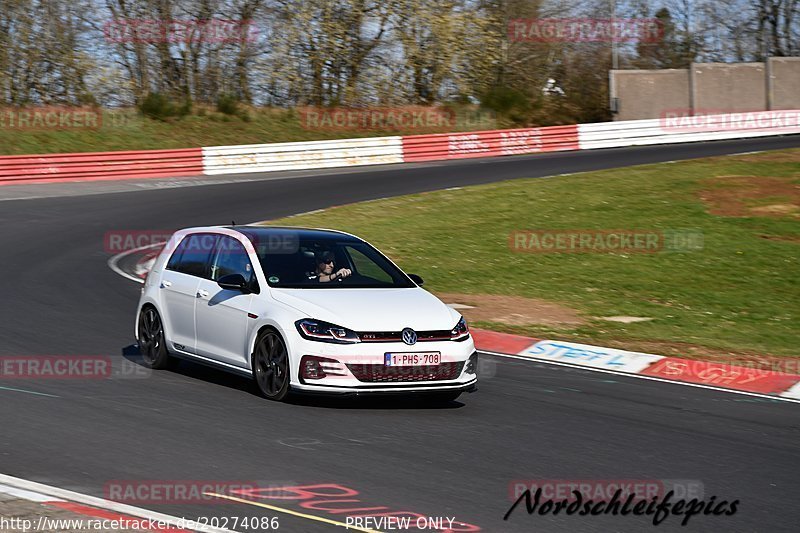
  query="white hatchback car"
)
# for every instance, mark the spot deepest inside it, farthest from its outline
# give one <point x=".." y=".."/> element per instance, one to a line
<point x="304" y="310"/>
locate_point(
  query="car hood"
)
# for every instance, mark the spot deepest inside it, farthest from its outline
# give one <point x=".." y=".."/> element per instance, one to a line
<point x="371" y="309"/>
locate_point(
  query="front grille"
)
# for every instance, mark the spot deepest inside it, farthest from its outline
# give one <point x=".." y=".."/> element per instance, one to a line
<point x="397" y="336"/>
<point x="381" y="373"/>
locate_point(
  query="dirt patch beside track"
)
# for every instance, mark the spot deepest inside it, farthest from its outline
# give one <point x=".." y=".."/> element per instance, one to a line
<point x="512" y="310"/>
<point x="742" y="196"/>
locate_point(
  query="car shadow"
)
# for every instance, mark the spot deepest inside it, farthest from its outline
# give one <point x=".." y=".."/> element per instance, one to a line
<point x="198" y="371"/>
<point x="390" y="402"/>
<point x="221" y="378"/>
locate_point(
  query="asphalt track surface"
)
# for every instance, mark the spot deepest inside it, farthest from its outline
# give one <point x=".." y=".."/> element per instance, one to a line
<point x="528" y="421"/>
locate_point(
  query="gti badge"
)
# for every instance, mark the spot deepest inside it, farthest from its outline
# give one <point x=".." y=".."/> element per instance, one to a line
<point x="409" y="336"/>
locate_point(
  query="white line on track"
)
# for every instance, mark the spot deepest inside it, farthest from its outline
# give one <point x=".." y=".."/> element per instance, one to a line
<point x="639" y="376"/>
<point x="12" y="389"/>
<point x="54" y="494"/>
<point x="26" y="494"/>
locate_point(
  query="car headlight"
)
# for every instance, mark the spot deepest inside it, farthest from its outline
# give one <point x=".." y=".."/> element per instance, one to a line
<point x="317" y="330"/>
<point x="461" y="331"/>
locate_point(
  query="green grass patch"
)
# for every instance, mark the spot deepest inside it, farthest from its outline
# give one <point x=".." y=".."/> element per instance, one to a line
<point x="130" y="130"/>
<point x="740" y="293"/>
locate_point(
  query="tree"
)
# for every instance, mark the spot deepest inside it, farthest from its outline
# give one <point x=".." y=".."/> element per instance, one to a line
<point x="675" y="48"/>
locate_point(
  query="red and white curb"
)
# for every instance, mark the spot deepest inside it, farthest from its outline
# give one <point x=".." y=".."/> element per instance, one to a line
<point x="703" y="374"/>
<point x="99" y="508"/>
<point x="143" y="263"/>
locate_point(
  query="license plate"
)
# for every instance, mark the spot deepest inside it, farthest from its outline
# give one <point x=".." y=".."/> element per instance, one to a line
<point x="412" y="359"/>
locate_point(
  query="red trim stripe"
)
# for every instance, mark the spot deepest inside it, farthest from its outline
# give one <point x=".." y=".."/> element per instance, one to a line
<point x="463" y="145"/>
<point x="50" y="168"/>
<point x="722" y="375"/>
<point x="500" y="342"/>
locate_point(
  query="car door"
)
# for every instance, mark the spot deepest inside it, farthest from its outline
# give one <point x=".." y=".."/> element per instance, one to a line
<point x="222" y="314"/>
<point x="179" y="286"/>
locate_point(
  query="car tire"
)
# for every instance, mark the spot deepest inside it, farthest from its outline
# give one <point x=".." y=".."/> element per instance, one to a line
<point x="152" y="342"/>
<point x="271" y="365"/>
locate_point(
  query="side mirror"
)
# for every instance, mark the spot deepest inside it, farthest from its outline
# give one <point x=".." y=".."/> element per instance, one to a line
<point x="233" y="282"/>
<point x="416" y="279"/>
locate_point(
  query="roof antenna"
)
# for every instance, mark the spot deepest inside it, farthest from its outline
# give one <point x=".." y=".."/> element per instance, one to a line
<point x="233" y="223"/>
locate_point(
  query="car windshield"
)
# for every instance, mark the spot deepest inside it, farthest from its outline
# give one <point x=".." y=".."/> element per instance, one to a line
<point x="293" y="261"/>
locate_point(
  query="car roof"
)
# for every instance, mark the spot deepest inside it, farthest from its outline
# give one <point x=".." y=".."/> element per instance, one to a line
<point x="302" y="233"/>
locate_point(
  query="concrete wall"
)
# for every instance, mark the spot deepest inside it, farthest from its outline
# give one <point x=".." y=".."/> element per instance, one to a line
<point x="729" y="88"/>
<point x="784" y="82"/>
<point x="648" y="93"/>
<point x="707" y="87"/>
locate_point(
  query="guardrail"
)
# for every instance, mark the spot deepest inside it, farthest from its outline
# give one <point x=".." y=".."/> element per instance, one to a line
<point x="387" y="150"/>
<point x="100" y="166"/>
<point x="681" y="129"/>
<point x="489" y="143"/>
<point x="302" y="155"/>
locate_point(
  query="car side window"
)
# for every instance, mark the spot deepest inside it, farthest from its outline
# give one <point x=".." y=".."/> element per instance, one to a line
<point x="230" y="257"/>
<point x="193" y="254"/>
<point x="175" y="258"/>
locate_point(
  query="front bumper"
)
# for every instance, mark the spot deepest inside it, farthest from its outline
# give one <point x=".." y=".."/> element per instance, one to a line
<point x="401" y="388"/>
<point x="349" y="375"/>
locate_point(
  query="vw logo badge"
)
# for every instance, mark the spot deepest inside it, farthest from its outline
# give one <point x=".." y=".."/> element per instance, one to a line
<point x="409" y="336"/>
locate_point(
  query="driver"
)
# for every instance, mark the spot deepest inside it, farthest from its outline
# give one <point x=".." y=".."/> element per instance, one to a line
<point x="325" y="268"/>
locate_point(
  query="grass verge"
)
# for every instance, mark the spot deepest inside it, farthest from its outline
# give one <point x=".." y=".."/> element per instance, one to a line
<point x="737" y="295"/>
